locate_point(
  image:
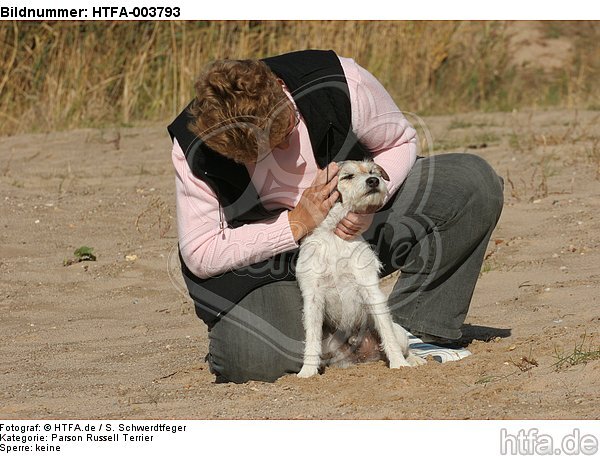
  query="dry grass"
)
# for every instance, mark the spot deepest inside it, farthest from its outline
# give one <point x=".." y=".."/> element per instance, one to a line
<point x="59" y="75"/>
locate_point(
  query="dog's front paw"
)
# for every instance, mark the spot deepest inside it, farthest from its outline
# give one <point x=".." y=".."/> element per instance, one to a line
<point x="397" y="363"/>
<point x="415" y="360"/>
<point x="307" y="371"/>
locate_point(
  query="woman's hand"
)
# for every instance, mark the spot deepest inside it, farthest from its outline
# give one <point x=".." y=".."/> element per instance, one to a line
<point x="353" y="225"/>
<point x="315" y="202"/>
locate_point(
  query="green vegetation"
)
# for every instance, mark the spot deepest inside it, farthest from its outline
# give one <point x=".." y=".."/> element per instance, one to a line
<point x="83" y="253"/>
<point x="580" y="355"/>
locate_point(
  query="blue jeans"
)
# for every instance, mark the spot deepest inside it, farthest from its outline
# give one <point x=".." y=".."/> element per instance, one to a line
<point x="435" y="229"/>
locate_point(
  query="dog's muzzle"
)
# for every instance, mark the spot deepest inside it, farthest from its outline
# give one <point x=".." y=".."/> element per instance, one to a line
<point x="372" y="182"/>
<point x="372" y="186"/>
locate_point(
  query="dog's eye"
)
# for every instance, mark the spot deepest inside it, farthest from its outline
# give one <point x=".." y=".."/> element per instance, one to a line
<point x="347" y="176"/>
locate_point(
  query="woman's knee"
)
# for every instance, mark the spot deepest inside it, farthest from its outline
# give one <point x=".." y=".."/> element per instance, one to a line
<point x="228" y="370"/>
<point x="485" y="188"/>
<point x="261" y="365"/>
<point x="261" y="338"/>
<point x="491" y="189"/>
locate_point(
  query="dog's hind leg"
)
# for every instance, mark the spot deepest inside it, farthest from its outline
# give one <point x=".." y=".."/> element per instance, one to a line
<point x="313" y="326"/>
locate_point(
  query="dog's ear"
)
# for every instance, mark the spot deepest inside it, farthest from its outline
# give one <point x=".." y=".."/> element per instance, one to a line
<point x="381" y="171"/>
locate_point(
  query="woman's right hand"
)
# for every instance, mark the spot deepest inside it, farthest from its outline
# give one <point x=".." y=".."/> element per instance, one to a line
<point x="315" y="202"/>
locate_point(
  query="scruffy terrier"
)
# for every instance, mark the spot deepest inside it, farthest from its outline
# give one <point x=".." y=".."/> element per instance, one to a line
<point x="340" y="283"/>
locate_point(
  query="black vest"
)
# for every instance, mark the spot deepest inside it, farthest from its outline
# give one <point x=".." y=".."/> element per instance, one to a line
<point x="319" y="88"/>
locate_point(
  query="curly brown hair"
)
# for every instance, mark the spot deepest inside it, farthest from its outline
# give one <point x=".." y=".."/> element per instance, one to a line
<point x="240" y="109"/>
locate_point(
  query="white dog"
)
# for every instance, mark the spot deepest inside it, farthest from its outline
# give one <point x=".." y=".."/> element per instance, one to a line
<point x="339" y="279"/>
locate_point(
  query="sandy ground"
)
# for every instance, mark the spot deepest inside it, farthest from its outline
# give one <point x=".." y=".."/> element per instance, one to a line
<point x="117" y="338"/>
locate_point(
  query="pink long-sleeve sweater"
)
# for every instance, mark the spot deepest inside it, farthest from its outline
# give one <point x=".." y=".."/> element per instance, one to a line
<point x="280" y="178"/>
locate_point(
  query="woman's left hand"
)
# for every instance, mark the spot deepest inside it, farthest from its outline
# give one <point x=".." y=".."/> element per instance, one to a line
<point x="353" y="225"/>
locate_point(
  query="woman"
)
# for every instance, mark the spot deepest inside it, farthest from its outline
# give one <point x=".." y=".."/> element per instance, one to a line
<point x="255" y="156"/>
